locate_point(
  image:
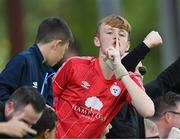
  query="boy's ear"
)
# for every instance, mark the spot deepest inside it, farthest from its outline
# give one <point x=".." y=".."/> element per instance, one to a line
<point x="46" y="133"/>
<point x="167" y="117"/>
<point x="96" y="41"/>
<point x="57" y="43"/>
<point x="9" y="107"/>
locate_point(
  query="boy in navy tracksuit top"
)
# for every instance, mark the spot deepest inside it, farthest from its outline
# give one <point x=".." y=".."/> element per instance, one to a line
<point x="26" y="68"/>
<point x="32" y="67"/>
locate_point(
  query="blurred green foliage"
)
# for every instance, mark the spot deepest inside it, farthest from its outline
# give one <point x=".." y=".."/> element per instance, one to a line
<point x="4" y="42"/>
<point x="81" y="15"/>
<point x="143" y="16"/>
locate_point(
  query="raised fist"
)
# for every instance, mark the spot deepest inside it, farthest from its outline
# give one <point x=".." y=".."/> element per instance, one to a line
<point x="153" y="39"/>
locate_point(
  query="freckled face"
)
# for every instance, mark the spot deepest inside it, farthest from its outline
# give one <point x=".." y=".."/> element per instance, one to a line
<point x="107" y="38"/>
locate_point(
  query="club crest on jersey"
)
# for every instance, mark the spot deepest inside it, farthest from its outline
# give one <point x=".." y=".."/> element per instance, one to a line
<point x="115" y="90"/>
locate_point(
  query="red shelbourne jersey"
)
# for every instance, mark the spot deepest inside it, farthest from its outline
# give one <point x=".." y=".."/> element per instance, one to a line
<point x="85" y="102"/>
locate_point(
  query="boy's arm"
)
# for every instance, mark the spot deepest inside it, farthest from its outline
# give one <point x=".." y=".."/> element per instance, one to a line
<point x="131" y="60"/>
<point x="10" y="77"/>
<point x="140" y="100"/>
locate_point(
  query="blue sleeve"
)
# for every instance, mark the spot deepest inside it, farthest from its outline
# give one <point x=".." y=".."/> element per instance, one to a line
<point x="10" y="77"/>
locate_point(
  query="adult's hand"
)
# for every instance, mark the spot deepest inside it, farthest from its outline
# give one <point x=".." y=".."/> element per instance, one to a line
<point x="153" y="39"/>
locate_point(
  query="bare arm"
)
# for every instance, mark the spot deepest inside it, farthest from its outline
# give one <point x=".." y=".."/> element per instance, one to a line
<point x="140" y="100"/>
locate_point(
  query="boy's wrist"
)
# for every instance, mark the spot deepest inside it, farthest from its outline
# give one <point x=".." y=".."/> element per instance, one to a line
<point x="120" y="71"/>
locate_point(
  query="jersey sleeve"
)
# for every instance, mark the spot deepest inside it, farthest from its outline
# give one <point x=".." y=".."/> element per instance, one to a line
<point x="10" y="77"/>
<point x="62" y="77"/>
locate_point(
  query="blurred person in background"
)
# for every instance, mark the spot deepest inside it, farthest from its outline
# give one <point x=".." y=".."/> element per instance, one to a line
<point x="167" y="80"/>
<point x="72" y="51"/>
<point x="167" y="115"/>
<point x="23" y="109"/>
<point x="45" y="126"/>
<point x="32" y="67"/>
<point x="151" y="130"/>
